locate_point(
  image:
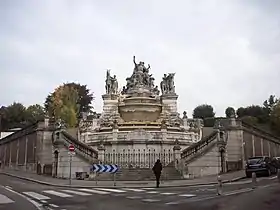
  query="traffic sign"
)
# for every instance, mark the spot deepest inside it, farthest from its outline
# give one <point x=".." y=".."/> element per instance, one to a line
<point x="71" y="148"/>
<point x="107" y="168"/>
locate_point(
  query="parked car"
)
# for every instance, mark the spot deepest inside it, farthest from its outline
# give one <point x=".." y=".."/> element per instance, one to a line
<point x="261" y="165"/>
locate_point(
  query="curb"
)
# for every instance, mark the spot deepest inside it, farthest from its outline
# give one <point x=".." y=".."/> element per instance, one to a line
<point x="111" y="186"/>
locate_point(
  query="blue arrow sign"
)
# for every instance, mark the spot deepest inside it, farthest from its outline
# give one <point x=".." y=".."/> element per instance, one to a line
<point x="105" y="168"/>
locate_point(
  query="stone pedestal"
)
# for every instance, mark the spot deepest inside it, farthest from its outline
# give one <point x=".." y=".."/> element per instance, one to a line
<point x="177" y="154"/>
<point x="169" y="103"/>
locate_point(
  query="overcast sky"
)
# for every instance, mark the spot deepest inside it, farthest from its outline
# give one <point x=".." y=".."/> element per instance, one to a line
<point x="224" y="53"/>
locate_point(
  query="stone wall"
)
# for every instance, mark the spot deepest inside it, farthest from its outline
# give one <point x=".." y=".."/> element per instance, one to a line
<point x="78" y="164"/>
<point x="206" y="164"/>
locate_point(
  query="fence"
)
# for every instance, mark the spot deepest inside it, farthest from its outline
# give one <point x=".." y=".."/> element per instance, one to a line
<point x="137" y="158"/>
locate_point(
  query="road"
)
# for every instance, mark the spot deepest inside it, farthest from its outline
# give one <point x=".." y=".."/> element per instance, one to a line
<point x="57" y="198"/>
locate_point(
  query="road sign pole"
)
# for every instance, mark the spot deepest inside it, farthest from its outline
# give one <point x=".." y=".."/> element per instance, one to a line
<point x="70" y="170"/>
<point x="114" y="177"/>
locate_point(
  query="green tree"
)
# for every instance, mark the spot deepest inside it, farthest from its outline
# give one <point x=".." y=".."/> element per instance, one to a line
<point x="203" y="111"/>
<point x="275" y="117"/>
<point x="34" y="113"/>
<point x="230" y="112"/>
<point x="13" y="116"/>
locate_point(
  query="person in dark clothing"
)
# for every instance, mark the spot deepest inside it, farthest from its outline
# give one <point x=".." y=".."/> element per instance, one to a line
<point x="157" y="171"/>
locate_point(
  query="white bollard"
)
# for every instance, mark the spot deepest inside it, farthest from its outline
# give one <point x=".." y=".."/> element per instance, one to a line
<point x="254" y="180"/>
<point x="219" y="186"/>
<point x="278" y="175"/>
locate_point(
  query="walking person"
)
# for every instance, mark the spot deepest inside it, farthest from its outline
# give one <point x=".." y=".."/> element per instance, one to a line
<point x="157" y="171"/>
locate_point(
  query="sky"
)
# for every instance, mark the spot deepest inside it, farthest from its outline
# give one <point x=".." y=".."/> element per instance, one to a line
<point x="224" y="52"/>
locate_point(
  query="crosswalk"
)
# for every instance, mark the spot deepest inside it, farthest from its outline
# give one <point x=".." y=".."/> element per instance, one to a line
<point x="143" y="194"/>
<point x="5" y="200"/>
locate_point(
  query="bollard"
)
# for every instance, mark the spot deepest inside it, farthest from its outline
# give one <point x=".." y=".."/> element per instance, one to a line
<point x="278" y="175"/>
<point x="254" y="180"/>
<point x="219" y="186"/>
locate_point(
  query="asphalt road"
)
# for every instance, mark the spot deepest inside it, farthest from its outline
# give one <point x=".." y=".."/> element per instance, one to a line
<point x="56" y="198"/>
<point x="10" y="200"/>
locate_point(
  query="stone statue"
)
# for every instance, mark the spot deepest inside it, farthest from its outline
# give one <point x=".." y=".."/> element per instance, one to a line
<point x="167" y="84"/>
<point x="185" y="115"/>
<point x="111" y="84"/>
<point x="115" y="85"/>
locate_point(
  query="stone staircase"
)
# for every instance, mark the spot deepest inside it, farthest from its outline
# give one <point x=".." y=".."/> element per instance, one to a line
<point x="81" y="149"/>
<point x="199" y="148"/>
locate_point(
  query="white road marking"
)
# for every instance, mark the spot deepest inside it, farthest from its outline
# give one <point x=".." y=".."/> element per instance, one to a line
<point x="53" y="205"/>
<point x="4" y="199"/>
<point x="168" y="193"/>
<point x="59" y="194"/>
<point x="238" y="191"/>
<point x="172" y="203"/>
<point x="274" y="177"/>
<point x="134" y="197"/>
<point x="111" y="190"/>
<point x="76" y="192"/>
<point x="187" y="195"/>
<point x="36" y="195"/>
<point x="152" y="192"/>
<point x="34" y="203"/>
<point x="95" y="191"/>
<point x="134" y="190"/>
<point x="150" y="200"/>
<point x="9" y="187"/>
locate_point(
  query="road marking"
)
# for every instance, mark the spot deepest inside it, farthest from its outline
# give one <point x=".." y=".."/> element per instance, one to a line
<point x="150" y="200"/>
<point x="59" y="194"/>
<point x="76" y="192"/>
<point x="187" y="195"/>
<point x="235" y="192"/>
<point x="168" y="193"/>
<point x="4" y="199"/>
<point x="34" y="203"/>
<point x="173" y="203"/>
<point x="111" y="190"/>
<point x="53" y="205"/>
<point x="152" y="192"/>
<point x="274" y="177"/>
<point x="134" y="197"/>
<point x="36" y="196"/>
<point x="9" y="187"/>
<point x="95" y="191"/>
<point x="134" y="190"/>
<point x="148" y="188"/>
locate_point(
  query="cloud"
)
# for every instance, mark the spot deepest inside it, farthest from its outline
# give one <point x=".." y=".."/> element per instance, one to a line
<point x="224" y="53"/>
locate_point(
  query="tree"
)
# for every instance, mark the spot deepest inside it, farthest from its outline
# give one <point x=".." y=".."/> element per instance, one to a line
<point x="275" y="117"/>
<point x="230" y="112"/>
<point x="68" y="101"/>
<point x="85" y="98"/>
<point x="203" y="111"/>
<point x="13" y="116"/>
<point x="34" y="113"/>
<point x="269" y="104"/>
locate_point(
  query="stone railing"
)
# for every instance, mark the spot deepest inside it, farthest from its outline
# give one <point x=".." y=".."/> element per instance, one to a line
<point x="138" y="159"/>
<point x="81" y="148"/>
<point x="199" y="146"/>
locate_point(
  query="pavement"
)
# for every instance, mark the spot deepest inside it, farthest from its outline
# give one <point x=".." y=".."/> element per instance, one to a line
<point x="194" y="197"/>
<point x="46" y="180"/>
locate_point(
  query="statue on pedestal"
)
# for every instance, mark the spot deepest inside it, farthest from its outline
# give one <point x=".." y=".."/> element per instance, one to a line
<point x="167" y="84"/>
<point x="111" y="84"/>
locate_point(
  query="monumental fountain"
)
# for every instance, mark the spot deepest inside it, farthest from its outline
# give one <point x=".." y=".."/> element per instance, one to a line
<point x="140" y="123"/>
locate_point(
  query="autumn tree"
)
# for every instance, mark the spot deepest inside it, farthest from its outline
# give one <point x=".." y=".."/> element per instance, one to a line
<point x="68" y="101"/>
<point x="203" y="111"/>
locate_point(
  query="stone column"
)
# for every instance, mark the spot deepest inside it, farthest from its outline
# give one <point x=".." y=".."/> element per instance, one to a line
<point x="101" y="153"/>
<point x="115" y="131"/>
<point x="253" y="145"/>
<point x="262" y="152"/>
<point x="17" y="153"/>
<point x="25" y="155"/>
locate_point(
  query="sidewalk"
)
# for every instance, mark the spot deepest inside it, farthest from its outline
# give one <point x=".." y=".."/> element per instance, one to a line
<point x="46" y="180"/>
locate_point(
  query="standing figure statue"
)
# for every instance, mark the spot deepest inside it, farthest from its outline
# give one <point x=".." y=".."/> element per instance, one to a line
<point x="171" y="86"/>
<point x="163" y="84"/>
<point x="111" y="84"/>
<point x="115" y="85"/>
<point x="108" y="82"/>
<point x="167" y="84"/>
